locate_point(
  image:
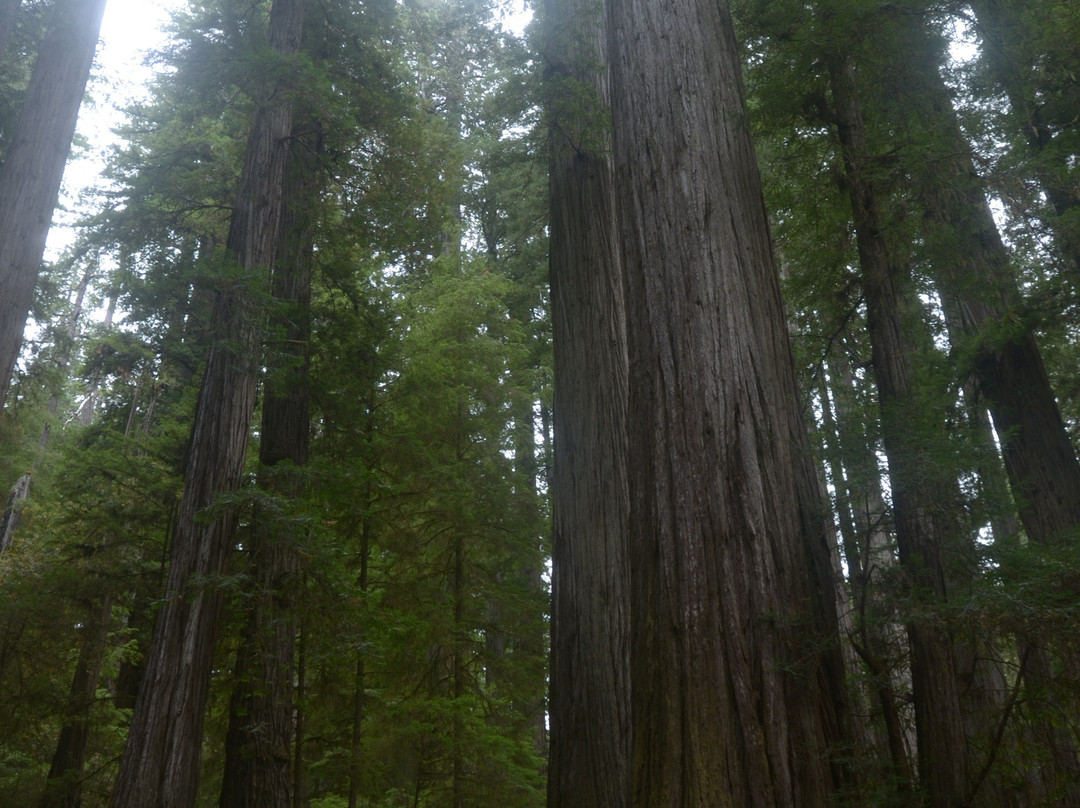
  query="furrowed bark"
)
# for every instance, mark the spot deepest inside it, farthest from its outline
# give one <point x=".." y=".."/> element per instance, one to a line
<point x="730" y="570"/>
<point x="160" y="765"/>
<point x="590" y="696"/>
<point x="261" y="721"/>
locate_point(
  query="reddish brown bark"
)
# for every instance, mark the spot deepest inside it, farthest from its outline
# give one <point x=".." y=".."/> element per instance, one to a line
<point x="160" y="765"/>
<point x="261" y="720"/>
<point x="730" y="566"/>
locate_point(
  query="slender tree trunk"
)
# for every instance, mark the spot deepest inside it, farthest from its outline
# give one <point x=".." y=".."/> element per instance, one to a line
<point x="10" y="519"/>
<point x="299" y="797"/>
<point x="922" y="527"/>
<point x="730" y="572"/>
<point x="874" y="634"/>
<point x="360" y="675"/>
<point x="64" y="786"/>
<point x="529" y="639"/>
<point x="458" y="673"/>
<point x="34" y="164"/>
<point x="20" y="491"/>
<point x="880" y="633"/>
<point x="160" y="765"/>
<point x="590" y="687"/>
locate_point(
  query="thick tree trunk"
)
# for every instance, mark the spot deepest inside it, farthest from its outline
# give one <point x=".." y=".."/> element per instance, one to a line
<point x="259" y="740"/>
<point x="34" y="164"/>
<point x="590" y="688"/>
<point x="160" y="765"/>
<point x="590" y="696"/>
<point x="922" y="524"/>
<point x="730" y="571"/>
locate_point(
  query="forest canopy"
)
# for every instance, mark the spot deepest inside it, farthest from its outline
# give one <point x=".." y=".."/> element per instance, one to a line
<point x="651" y="404"/>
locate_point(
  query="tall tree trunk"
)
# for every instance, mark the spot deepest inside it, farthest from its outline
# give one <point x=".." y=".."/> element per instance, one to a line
<point x="34" y="164"/>
<point x="922" y="527"/>
<point x="458" y="672"/>
<point x="160" y="765"/>
<point x="530" y="640"/>
<point x="975" y="276"/>
<point x="875" y="635"/>
<point x="730" y="571"/>
<point x="20" y="491"/>
<point x="258" y="746"/>
<point x="590" y="687"/>
<point x="360" y="675"/>
<point x="10" y="518"/>
<point x="64" y="786"/>
<point x="299" y="796"/>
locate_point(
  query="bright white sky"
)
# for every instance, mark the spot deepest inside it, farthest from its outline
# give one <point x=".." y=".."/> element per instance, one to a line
<point x="129" y="29"/>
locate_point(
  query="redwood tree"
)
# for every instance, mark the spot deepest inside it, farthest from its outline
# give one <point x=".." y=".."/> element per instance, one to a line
<point x="160" y="765"/>
<point x="925" y="527"/>
<point x="729" y="561"/>
<point x="34" y="164"/>
<point x="261" y="715"/>
<point x="590" y="684"/>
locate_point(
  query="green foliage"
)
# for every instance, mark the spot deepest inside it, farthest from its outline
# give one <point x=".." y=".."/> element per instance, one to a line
<point x="794" y="53"/>
<point x="423" y="521"/>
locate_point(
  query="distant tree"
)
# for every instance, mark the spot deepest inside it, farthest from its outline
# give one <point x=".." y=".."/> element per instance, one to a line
<point x="1028" y="54"/>
<point x="927" y="524"/>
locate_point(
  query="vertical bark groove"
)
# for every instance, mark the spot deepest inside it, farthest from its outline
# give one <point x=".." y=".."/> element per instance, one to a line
<point x="160" y="764"/>
<point x="731" y="571"/>
<point x="590" y="696"/>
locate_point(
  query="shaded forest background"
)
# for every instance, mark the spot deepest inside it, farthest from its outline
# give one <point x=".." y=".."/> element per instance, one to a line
<point x="389" y="538"/>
